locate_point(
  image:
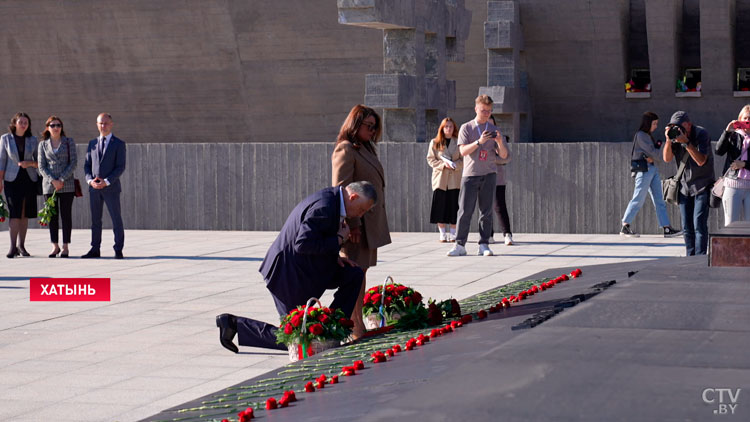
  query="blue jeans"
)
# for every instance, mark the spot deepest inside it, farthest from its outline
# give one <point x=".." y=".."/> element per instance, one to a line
<point x="694" y="212"/>
<point x="647" y="182"/>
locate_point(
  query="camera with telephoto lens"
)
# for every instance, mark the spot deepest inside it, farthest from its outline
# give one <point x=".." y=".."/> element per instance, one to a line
<point x="675" y="131"/>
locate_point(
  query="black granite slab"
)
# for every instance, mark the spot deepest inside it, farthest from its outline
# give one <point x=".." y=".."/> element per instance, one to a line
<point x="646" y="348"/>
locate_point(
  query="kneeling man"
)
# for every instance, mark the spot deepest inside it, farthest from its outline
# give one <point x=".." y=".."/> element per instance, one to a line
<point x="304" y="261"/>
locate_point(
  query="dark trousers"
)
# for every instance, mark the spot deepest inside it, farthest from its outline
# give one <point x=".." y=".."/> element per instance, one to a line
<point x="65" y="212"/>
<point x="501" y="209"/>
<point x="347" y="281"/>
<point x="694" y="213"/>
<point x="97" y="198"/>
<point x="475" y="189"/>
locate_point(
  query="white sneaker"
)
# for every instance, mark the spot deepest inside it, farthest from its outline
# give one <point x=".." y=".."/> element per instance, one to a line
<point x="484" y="250"/>
<point x="451" y="237"/>
<point x="508" y="239"/>
<point x="443" y="237"/>
<point x="491" y="239"/>
<point x="457" y="250"/>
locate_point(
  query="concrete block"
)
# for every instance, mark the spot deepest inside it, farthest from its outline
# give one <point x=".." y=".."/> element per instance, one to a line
<point x="503" y="11"/>
<point x="390" y="91"/>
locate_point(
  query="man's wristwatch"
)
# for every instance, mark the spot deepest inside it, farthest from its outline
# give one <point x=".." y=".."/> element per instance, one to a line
<point x="477" y="142"/>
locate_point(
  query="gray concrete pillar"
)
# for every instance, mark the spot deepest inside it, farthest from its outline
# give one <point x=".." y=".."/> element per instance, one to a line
<point x="663" y="27"/>
<point x="419" y="36"/>
<point x="718" y="72"/>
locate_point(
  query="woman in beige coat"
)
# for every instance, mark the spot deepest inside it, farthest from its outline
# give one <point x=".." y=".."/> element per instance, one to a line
<point x="355" y="159"/>
<point x="447" y="166"/>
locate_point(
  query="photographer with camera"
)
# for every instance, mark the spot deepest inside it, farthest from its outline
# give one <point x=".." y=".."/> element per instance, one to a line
<point x="646" y="151"/>
<point x="735" y="142"/>
<point x="691" y="143"/>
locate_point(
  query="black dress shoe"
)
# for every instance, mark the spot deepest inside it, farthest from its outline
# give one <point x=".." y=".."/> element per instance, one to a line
<point x="54" y="254"/>
<point x="92" y="254"/>
<point x="12" y="253"/>
<point x="227" y="330"/>
<point x="118" y="255"/>
<point x="63" y="255"/>
<point x="23" y="251"/>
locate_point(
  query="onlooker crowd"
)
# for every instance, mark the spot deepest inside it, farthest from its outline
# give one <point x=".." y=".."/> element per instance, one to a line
<point x="29" y="168"/>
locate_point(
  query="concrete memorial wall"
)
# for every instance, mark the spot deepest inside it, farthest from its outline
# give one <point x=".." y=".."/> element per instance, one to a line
<point x="553" y="188"/>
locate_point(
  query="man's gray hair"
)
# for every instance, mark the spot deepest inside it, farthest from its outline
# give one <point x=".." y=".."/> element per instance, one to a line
<point x="365" y="189"/>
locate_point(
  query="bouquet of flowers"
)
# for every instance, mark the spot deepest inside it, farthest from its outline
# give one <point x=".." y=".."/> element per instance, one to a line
<point x="308" y="330"/>
<point x="3" y="209"/>
<point x="391" y="304"/>
<point x="49" y="210"/>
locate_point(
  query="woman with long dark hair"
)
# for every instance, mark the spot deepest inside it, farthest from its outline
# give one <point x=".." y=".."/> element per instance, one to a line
<point x="447" y="164"/>
<point x="18" y="151"/>
<point x="355" y="159"/>
<point x="57" y="161"/>
<point x="645" y="147"/>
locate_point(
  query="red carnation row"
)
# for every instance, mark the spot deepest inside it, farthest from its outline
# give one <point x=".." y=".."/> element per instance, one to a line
<point x="380" y="356"/>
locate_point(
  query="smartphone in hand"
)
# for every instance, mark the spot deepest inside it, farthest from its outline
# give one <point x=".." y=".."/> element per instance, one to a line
<point x="741" y="125"/>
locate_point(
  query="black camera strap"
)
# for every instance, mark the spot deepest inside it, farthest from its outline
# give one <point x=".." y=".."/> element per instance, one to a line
<point x="683" y="162"/>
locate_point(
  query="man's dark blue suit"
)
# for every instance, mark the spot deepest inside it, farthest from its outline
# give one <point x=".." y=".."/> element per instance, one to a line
<point x="302" y="263"/>
<point x="110" y="166"/>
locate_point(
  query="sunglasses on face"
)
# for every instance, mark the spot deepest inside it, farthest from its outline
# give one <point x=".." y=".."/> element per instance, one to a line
<point x="54" y="125"/>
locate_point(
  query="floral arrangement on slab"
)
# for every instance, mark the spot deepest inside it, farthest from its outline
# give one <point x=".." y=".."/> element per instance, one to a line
<point x="393" y="304"/>
<point x="307" y="330"/>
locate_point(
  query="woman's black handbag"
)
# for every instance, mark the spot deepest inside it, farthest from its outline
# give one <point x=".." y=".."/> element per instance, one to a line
<point x="639" y="166"/>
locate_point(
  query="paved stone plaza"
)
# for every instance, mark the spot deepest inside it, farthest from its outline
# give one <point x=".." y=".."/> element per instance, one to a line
<point x="155" y="345"/>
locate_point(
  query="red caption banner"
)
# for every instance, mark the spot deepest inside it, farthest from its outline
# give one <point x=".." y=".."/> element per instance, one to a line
<point x="69" y="289"/>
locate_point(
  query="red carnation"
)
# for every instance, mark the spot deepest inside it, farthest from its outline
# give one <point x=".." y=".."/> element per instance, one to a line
<point x="322" y="377"/>
<point x="434" y="314"/>
<point x="565" y="277"/>
<point x="388" y="300"/>
<point x="320" y="384"/>
<point x="323" y="318"/>
<point x="466" y="319"/>
<point x="284" y="402"/>
<point x="389" y="288"/>
<point x="375" y="299"/>
<point x="288" y="329"/>
<point x="271" y="404"/>
<point x="316" y="329"/>
<point x="407" y="300"/>
<point x="296" y="320"/>
<point x="358" y="365"/>
<point x="416" y="297"/>
<point x="290" y="396"/>
<point x="309" y="387"/>
<point x="349" y="373"/>
<point x="482" y="314"/>
<point x="534" y="289"/>
<point x="335" y="379"/>
<point x="346" y="322"/>
<point x="366" y="300"/>
<point x="245" y="415"/>
<point x="396" y="348"/>
<point x="434" y="332"/>
<point x="390" y="352"/>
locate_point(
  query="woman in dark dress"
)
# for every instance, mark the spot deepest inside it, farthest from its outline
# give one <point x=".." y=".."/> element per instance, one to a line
<point x="18" y="153"/>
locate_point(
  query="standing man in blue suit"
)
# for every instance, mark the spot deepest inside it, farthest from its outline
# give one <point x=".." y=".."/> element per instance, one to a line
<point x="304" y="261"/>
<point x="105" y="162"/>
